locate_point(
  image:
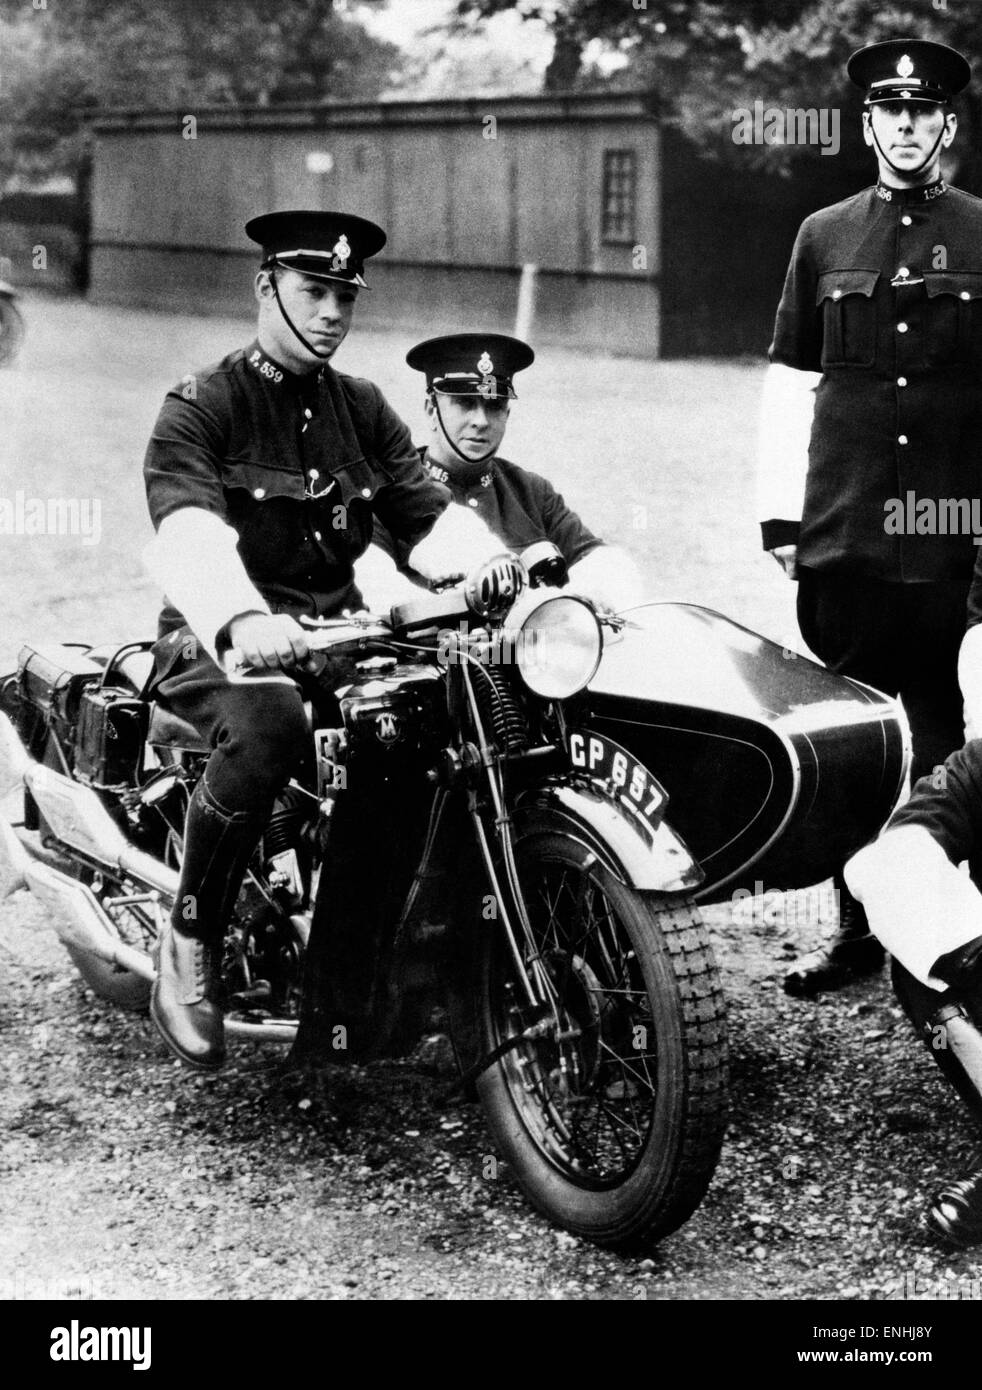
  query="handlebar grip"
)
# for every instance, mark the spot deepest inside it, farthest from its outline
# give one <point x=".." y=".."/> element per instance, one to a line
<point x="238" y="673"/>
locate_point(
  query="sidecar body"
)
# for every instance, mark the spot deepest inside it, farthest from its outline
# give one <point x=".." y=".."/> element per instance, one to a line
<point x="776" y="769"/>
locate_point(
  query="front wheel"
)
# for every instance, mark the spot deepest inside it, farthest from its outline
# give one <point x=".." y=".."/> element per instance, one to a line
<point x="609" y="1102"/>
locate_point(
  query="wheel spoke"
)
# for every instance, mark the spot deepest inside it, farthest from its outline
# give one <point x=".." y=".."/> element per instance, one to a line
<point x="594" y="1104"/>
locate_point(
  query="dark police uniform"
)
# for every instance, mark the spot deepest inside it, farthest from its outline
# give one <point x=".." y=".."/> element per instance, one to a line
<point x="299" y="467"/>
<point x="884" y="297"/>
<point x="518" y="506"/>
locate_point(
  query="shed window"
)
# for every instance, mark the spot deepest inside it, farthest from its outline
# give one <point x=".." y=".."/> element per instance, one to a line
<point x="620" y="193"/>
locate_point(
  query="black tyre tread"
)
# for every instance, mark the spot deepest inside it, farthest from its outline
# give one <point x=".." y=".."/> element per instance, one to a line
<point x="704" y="1033"/>
<point x="687" y="957"/>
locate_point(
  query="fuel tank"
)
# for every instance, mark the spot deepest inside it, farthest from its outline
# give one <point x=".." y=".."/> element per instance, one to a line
<point x="776" y="769"/>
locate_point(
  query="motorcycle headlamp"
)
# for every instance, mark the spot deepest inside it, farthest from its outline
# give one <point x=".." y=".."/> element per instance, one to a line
<point x="555" y="641"/>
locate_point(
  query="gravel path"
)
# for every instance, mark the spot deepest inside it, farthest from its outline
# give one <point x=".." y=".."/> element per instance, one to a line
<point x="123" y="1174"/>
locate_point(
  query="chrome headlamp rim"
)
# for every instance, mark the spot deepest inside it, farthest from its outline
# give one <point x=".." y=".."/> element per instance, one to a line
<point x="524" y="622"/>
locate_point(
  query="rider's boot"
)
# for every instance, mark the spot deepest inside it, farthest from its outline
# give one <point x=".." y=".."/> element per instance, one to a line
<point x="852" y="952"/>
<point x="185" y="1003"/>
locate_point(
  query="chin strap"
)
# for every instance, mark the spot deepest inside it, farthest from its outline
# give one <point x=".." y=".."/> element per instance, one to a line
<point x="321" y="356"/>
<point x="466" y="457"/>
<point x="908" y="173"/>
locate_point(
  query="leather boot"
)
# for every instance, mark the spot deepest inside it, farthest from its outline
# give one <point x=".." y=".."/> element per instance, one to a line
<point x="848" y="955"/>
<point x="185" y="1003"/>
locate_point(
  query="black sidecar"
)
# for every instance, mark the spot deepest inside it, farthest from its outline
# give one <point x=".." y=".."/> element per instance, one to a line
<point x="777" y="770"/>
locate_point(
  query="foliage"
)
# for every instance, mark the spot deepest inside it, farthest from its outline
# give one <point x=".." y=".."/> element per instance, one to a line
<point x="706" y="58"/>
<point x="60" y="62"/>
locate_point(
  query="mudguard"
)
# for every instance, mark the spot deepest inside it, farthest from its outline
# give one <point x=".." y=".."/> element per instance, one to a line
<point x="651" y="860"/>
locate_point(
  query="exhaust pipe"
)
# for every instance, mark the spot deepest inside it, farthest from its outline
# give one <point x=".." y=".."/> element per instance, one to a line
<point x="80" y="821"/>
<point x="81" y="922"/>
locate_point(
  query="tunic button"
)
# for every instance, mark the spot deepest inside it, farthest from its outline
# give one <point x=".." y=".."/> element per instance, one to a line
<point x="903" y="272"/>
<point x="901" y="328"/>
<point x="317" y="535"/>
<point x="472" y="501"/>
<point x="901" y="381"/>
<point x="901" y="439"/>
<point x="314" y="474"/>
<point x="366" y="492"/>
<point x="836" y="294"/>
<point x="259" y="492"/>
<point x="964" y="295"/>
<point x="906" y="220"/>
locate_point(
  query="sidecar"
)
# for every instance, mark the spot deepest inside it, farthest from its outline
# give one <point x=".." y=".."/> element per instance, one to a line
<point x="776" y="769"/>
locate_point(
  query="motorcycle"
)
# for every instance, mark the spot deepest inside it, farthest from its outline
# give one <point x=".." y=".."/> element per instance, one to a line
<point x="515" y="799"/>
<point x="12" y="327"/>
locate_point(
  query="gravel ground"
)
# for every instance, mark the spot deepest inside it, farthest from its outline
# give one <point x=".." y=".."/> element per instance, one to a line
<point x="124" y="1176"/>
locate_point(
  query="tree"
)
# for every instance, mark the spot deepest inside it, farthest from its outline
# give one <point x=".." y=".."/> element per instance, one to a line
<point x="704" y="59"/>
<point x="60" y="63"/>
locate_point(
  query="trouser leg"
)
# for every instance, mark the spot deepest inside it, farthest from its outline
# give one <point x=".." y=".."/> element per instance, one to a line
<point x="903" y="639"/>
<point x="260" y="737"/>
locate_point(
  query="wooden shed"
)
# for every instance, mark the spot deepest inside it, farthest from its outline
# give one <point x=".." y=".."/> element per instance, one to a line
<point x="551" y="201"/>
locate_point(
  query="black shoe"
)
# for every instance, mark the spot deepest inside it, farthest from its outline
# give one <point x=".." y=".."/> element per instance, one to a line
<point x="956" y="1212"/>
<point x="849" y="955"/>
<point x="182" y="1003"/>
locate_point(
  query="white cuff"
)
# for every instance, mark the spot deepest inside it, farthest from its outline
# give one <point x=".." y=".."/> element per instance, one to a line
<point x="786" y="409"/>
<point x="609" y="576"/>
<point x="919" y="905"/>
<point x="195" y="560"/>
<point x="970" y="680"/>
<point x="380" y="583"/>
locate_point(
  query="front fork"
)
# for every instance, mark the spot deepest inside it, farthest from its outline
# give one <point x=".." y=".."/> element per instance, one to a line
<point x="533" y="977"/>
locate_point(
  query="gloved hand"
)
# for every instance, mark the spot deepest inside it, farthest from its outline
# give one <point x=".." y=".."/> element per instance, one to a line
<point x="266" y="641"/>
<point x="457" y="544"/>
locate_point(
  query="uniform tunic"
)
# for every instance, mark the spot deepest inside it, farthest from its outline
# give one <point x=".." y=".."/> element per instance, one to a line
<point x="884" y="297"/>
<point x="517" y="506"/>
<point x="298" y="466"/>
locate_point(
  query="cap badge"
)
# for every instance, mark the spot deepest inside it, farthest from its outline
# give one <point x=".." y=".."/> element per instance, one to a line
<point x="485" y="366"/>
<point x="905" y="67"/>
<point x="341" y="253"/>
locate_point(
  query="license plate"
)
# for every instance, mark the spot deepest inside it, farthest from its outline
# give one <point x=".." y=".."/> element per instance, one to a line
<point x="617" y="773"/>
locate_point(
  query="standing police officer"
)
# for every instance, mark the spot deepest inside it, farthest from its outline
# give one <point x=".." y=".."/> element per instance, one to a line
<point x="879" y="332"/>
<point x="264" y="475"/>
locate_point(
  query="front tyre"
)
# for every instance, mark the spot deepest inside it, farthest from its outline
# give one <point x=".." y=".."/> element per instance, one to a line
<point x="611" y="1108"/>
